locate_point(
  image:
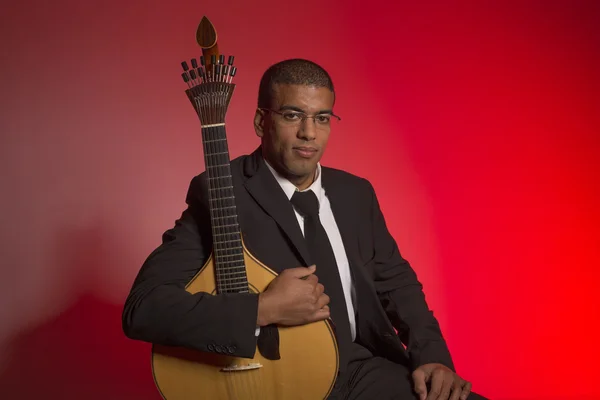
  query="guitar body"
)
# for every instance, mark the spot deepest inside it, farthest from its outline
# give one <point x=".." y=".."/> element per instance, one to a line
<point x="307" y="368"/>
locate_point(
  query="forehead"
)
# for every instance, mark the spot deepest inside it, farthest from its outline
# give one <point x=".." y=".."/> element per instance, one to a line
<point x="307" y="98"/>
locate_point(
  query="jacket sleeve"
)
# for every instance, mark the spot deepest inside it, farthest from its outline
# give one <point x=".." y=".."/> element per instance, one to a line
<point x="159" y="309"/>
<point x="402" y="296"/>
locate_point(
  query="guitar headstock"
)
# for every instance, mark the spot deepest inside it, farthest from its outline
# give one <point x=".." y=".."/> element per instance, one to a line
<point x="210" y="79"/>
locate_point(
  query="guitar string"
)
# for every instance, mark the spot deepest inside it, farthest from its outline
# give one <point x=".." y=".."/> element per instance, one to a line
<point x="236" y="234"/>
<point x="212" y="175"/>
<point x="250" y="384"/>
<point x="218" y="217"/>
<point x="225" y="212"/>
<point x="231" y="226"/>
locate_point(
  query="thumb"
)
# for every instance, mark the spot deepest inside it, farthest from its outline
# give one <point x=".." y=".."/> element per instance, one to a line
<point x="419" y="378"/>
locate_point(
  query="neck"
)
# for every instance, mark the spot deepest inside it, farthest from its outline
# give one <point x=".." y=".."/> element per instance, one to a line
<point x="303" y="182"/>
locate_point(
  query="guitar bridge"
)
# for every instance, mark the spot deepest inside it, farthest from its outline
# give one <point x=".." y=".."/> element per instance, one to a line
<point x="238" y="367"/>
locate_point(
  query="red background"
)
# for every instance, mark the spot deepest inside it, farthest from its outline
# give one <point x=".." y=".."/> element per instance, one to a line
<point x="477" y="122"/>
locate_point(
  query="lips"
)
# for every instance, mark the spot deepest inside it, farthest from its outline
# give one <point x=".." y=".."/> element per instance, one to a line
<point x="305" y="152"/>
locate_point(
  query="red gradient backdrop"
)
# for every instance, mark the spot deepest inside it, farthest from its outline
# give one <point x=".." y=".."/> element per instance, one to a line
<point x="477" y="122"/>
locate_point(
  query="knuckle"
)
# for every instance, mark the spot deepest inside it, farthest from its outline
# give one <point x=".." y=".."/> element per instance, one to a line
<point x="439" y="373"/>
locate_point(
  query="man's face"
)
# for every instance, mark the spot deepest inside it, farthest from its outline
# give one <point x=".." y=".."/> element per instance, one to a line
<point x="291" y="145"/>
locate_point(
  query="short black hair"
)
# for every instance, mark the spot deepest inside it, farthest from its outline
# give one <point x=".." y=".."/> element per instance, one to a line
<point x="294" y="71"/>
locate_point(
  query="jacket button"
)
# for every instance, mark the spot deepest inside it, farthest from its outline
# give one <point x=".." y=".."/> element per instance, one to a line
<point x="211" y="347"/>
<point x="231" y="349"/>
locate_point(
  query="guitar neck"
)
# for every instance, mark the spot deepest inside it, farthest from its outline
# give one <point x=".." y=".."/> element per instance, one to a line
<point x="228" y="253"/>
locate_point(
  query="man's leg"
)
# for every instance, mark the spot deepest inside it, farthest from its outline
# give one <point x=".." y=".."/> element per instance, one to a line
<point x="380" y="379"/>
<point x="377" y="378"/>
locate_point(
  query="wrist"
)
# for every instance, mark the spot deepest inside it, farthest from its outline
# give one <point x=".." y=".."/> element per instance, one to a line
<point x="265" y="313"/>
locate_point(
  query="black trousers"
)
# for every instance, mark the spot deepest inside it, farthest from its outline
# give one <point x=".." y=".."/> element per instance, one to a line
<point x="369" y="378"/>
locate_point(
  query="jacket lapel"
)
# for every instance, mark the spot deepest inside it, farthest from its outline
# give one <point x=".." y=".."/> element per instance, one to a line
<point x="265" y="190"/>
<point x="345" y="218"/>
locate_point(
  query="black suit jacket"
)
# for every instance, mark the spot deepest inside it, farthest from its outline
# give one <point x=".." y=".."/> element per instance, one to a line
<point x="159" y="310"/>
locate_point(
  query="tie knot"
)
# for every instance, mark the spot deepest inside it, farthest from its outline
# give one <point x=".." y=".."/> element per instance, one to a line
<point x="306" y="203"/>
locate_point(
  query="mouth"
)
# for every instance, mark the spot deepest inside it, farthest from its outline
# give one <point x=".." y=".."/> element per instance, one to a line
<point x="305" y="151"/>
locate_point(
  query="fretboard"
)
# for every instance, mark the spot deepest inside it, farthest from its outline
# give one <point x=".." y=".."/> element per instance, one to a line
<point x="230" y="270"/>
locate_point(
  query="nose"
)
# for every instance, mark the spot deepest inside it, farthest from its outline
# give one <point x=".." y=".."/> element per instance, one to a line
<point x="307" y="129"/>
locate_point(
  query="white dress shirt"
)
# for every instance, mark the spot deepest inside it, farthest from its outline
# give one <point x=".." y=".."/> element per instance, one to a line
<point x="331" y="228"/>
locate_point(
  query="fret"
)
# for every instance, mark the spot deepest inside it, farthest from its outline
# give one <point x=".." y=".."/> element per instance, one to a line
<point x="234" y="281"/>
<point x="237" y="270"/>
<point x="222" y="208"/>
<point x="222" y="198"/>
<point x="229" y="256"/>
<point x="242" y="273"/>
<point x="227" y="241"/>
<point x="230" y="248"/>
<point x="234" y="261"/>
<point x="225" y="226"/>
<point x="217" y="154"/>
<point x="226" y="216"/>
<point x="225" y="234"/>
<point x="234" y="285"/>
<point x="237" y="289"/>
<point x="222" y="187"/>
<point x="215" y="140"/>
<point x="219" y="177"/>
<point x="217" y="166"/>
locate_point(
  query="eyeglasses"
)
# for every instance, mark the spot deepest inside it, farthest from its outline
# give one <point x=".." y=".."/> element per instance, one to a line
<point x="290" y="117"/>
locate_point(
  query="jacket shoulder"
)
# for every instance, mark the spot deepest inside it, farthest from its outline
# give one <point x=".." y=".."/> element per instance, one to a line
<point x="346" y="180"/>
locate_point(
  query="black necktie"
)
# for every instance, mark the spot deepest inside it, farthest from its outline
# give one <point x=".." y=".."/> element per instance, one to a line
<point x="322" y="256"/>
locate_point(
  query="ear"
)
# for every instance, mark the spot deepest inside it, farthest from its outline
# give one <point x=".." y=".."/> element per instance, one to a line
<point x="259" y="122"/>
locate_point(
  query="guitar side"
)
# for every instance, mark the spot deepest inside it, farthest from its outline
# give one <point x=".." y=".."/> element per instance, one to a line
<point x="307" y="368"/>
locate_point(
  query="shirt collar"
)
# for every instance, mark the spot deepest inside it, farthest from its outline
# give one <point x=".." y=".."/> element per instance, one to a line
<point x="289" y="188"/>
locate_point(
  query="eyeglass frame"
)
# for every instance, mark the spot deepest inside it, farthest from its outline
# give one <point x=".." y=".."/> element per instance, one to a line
<point x="305" y="115"/>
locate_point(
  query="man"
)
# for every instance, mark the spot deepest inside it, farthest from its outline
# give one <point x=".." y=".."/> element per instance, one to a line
<point x="288" y="202"/>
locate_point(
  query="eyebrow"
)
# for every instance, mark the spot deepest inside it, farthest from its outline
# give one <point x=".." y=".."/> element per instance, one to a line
<point x="294" y="108"/>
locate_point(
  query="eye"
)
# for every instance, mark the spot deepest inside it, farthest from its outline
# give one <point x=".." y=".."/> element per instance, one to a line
<point x="292" y="116"/>
<point x="323" y="118"/>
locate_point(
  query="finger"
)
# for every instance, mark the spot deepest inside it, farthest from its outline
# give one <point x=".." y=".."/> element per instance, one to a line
<point x="419" y="378"/>
<point x="437" y="383"/>
<point x="449" y="379"/>
<point x="446" y="386"/>
<point x="323" y="301"/>
<point x="457" y="389"/>
<point x="313" y="280"/>
<point x="319" y="315"/>
<point x="466" y="391"/>
<point x="300" y="272"/>
<point x="319" y="289"/>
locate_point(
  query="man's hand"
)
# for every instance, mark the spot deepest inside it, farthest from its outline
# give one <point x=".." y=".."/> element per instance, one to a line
<point x="295" y="297"/>
<point x="445" y="384"/>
